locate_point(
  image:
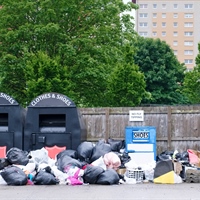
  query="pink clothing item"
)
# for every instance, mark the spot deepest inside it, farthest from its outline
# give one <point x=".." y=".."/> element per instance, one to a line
<point x="193" y="157"/>
<point x="112" y="160"/>
<point x="74" y="181"/>
<point x="74" y="175"/>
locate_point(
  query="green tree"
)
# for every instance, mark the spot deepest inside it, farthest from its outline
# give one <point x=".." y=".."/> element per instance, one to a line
<point x="13" y="80"/>
<point x="164" y="74"/>
<point x="126" y="86"/>
<point x="192" y="82"/>
<point x="85" y="37"/>
<point x="44" y="74"/>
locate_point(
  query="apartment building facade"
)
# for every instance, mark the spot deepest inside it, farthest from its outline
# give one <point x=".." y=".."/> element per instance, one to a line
<point x="175" y="21"/>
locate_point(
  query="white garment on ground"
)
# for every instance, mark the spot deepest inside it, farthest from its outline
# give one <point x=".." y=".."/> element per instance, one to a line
<point x="99" y="162"/>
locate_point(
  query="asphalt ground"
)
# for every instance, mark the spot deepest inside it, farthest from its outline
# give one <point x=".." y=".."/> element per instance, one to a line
<point x="139" y="191"/>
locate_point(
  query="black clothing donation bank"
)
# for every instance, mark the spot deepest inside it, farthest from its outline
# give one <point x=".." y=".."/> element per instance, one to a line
<point x="52" y="119"/>
<point x="11" y="123"/>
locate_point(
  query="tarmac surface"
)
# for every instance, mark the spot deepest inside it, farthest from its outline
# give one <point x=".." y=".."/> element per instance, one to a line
<point x="139" y="191"/>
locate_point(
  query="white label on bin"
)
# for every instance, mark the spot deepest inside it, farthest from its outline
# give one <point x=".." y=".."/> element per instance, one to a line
<point x="140" y="147"/>
<point x="142" y="158"/>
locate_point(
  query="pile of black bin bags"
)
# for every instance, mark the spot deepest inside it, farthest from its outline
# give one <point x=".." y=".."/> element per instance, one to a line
<point x="70" y="167"/>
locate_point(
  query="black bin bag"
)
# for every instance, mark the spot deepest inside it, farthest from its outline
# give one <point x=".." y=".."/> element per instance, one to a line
<point x="13" y="175"/>
<point x="65" y="161"/>
<point x="4" y="163"/>
<point x="91" y="174"/>
<point x="100" y="149"/>
<point x="84" y="151"/>
<point x="108" y="177"/>
<point x="116" y="145"/>
<point x="68" y="152"/>
<point x="45" y="177"/>
<point x="17" y="156"/>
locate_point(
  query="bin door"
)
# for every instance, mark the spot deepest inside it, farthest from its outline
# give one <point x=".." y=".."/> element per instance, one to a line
<point x="40" y="140"/>
<point x="6" y="140"/>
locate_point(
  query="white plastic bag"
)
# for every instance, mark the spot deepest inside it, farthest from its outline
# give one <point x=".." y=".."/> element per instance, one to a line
<point x="131" y="164"/>
<point x="177" y="178"/>
<point x="61" y="176"/>
<point x="130" y="180"/>
<point x="149" y="171"/>
<point x="39" y="156"/>
<point x="100" y="163"/>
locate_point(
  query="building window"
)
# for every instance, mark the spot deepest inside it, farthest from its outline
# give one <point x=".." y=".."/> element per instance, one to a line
<point x="188" y="61"/>
<point x="175" y="43"/>
<point x="188" y="33"/>
<point x="189" y="6"/>
<point x="188" y="24"/>
<point x="188" y="15"/>
<point x="175" y="24"/>
<point x="154" y="15"/>
<point x="175" y="15"/>
<point x="163" y="15"/>
<point x="144" y="34"/>
<point x="143" y="15"/>
<point x="164" y="6"/>
<point x="143" y="6"/>
<point x="154" y="24"/>
<point x="154" y="6"/>
<point x="163" y="33"/>
<point x="188" y="52"/>
<point x="188" y="43"/>
<point x="175" y="52"/>
<point x="143" y="24"/>
<point x="175" y="33"/>
<point x="154" y="33"/>
<point x="163" y="24"/>
<point x="175" y="6"/>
